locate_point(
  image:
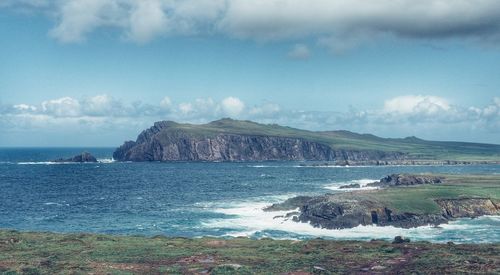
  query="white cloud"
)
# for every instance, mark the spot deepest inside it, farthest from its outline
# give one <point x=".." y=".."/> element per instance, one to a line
<point x="186" y="108"/>
<point x="101" y="105"/>
<point x="166" y="103"/>
<point x="61" y="107"/>
<point x="268" y="109"/>
<point x="423" y="116"/>
<point x="411" y="104"/>
<point x="232" y="106"/>
<point x="338" y="24"/>
<point x="299" y="51"/>
<point x="24" y="108"/>
<point x="78" y="18"/>
<point x="147" y="20"/>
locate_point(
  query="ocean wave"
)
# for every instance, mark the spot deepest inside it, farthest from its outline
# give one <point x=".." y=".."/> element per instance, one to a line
<point x="248" y="219"/>
<point x="43" y="163"/>
<point x="362" y="183"/>
<point x="106" y="160"/>
<point x="57" y="204"/>
<point x="103" y="161"/>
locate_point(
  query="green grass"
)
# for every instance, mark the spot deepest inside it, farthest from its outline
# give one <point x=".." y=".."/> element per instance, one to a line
<point x="49" y="253"/>
<point x="414" y="147"/>
<point x="421" y="199"/>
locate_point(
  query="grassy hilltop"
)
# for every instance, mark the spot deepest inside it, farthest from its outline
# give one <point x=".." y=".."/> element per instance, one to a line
<point x="422" y="199"/>
<point x="416" y="148"/>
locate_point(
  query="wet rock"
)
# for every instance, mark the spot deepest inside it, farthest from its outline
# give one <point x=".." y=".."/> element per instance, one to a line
<point x="351" y="209"/>
<point x="399" y="239"/>
<point x="349" y="186"/>
<point x="406" y="180"/>
<point x="83" y="157"/>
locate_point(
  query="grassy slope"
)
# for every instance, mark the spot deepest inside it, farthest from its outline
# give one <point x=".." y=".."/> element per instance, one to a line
<point x="432" y="150"/>
<point x="48" y="253"/>
<point x="420" y="199"/>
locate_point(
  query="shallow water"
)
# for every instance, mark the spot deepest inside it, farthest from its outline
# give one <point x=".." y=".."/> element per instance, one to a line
<point x="193" y="199"/>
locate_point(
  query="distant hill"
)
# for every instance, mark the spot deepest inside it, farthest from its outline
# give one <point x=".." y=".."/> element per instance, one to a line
<point x="236" y="140"/>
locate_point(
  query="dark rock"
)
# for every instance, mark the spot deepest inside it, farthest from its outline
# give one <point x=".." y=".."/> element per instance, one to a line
<point x="169" y="141"/>
<point x="83" y="157"/>
<point x="353" y="185"/>
<point x="290" y="204"/>
<point x="468" y="207"/>
<point x="347" y="210"/>
<point x="406" y="180"/>
<point x="399" y="239"/>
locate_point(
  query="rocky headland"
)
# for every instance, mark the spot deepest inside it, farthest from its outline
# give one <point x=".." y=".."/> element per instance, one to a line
<point x="163" y="142"/>
<point x="402" y="201"/>
<point x="234" y="140"/>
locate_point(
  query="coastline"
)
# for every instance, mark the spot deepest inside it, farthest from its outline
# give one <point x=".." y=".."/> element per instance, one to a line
<point x="399" y="200"/>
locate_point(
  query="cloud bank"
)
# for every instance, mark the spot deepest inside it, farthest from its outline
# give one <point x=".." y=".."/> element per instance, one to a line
<point x="337" y="24"/>
<point x="421" y="115"/>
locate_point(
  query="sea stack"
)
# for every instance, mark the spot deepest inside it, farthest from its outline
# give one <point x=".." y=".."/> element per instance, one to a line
<point x="83" y="157"/>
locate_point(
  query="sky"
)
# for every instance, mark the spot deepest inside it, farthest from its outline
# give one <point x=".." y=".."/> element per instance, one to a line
<point x="97" y="72"/>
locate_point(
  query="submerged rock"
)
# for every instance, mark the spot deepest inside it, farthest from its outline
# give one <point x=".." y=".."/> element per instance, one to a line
<point x="83" y="157"/>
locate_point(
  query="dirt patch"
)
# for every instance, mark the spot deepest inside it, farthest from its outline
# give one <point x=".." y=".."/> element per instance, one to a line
<point x="216" y="243"/>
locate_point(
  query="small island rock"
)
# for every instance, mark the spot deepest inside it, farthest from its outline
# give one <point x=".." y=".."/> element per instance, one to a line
<point x="83" y="157"/>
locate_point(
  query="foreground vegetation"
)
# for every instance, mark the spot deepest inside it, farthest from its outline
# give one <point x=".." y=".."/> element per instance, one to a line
<point x="50" y="253"/>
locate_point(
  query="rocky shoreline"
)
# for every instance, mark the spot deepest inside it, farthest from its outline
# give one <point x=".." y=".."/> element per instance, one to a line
<point x="351" y="209"/>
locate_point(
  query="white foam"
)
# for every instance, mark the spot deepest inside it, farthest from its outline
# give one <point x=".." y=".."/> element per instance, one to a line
<point x="106" y="160"/>
<point x="248" y="219"/>
<point x="362" y="183"/>
<point x="52" y="203"/>
<point x="42" y="163"/>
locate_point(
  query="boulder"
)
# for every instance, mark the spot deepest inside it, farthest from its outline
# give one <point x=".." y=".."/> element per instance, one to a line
<point x="353" y="185"/>
<point x="399" y="239"/>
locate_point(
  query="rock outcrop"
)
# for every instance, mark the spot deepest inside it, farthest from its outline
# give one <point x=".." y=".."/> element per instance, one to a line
<point x="338" y="211"/>
<point x="406" y="180"/>
<point x="167" y="142"/>
<point x="350" y="209"/>
<point x="83" y="157"/>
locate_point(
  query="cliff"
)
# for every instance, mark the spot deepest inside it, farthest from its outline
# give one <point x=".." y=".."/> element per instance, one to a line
<point x="416" y="201"/>
<point x="233" y="140"/>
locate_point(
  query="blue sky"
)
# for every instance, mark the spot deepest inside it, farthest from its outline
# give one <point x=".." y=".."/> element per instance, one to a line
<point x="97" y="72"/>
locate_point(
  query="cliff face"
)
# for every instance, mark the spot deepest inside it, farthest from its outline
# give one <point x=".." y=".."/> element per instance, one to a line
<point x="337" y="212"/>
<point x="350" y="213"/>
<point x="162" y="143"/>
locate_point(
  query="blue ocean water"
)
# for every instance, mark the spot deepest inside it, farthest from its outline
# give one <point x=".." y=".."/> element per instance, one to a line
<point x="193" y="199"/>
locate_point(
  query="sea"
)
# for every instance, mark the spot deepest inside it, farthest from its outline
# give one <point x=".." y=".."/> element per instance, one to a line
<point x="195" y="199"/>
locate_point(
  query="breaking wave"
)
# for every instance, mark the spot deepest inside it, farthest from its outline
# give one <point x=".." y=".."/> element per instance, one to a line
<point x="248" y="219"/>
